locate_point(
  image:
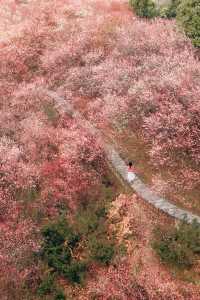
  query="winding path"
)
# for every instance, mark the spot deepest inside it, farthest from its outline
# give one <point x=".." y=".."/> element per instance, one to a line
<point x="64" y="106"/>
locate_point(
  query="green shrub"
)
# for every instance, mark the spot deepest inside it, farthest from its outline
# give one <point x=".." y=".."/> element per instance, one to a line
<point x="91" y="219"/>
<point x="86" y="222"/>
<point x="188" y="16"/>
<point x="56" y="234"/>
<point x="59" y="241"/>
<point x="144" y="8"/>
<point x="101" y="250"/>
<point x="170" y="11"/>
<point x="47" y="286"/>
<point x="75" y="271"/>
<point x="59" y="295"/>
<point x="101" y="212"/>
<point x="52" y="236"/>
<point x="57" y="257"/>
<point x="178" y="246"/>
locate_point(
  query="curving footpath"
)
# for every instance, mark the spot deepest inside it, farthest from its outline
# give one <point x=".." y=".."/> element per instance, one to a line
<point x="145" y="193"/>
<point x="63" y="106"/>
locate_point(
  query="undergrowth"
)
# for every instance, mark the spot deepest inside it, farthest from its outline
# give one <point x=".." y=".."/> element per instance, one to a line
<point x="71" y="245"/>
<point x="178" y="246"/>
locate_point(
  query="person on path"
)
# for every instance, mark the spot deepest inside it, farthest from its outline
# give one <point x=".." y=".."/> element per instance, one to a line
<point x="131" y="172"/>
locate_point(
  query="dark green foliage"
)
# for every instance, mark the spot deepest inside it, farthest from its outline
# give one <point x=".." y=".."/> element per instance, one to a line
<point x="52" y="236"/>
<point x="91" y="219"/>
<point x="56" y="234"/>
<point x="47" y="286"/>
<point x="178" y="246"/>
<point x="86" y="222"/>
<point x="73" y="239"/>
<point x="188" y="16"/>
<point x="71" y="245"/>
<point x="87" y="234"/>
<point x="75" y="272"/>
<point x="144" y="8"/>
<point x="101" y="250"/>
<point x="91" y="224"/>
<point x="171" y="10"/>
<point x="101" y="212"/>
<point x="59" y="241"/>
<point x="59" y="295"/>
<point x="57" y="257"/>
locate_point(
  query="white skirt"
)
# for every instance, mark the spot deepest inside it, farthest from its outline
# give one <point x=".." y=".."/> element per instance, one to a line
<point x="131" y="176"/>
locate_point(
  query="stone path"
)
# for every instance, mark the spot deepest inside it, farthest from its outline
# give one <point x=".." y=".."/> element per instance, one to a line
<point x="145" y="193"/>
<point x="63" y="106"/>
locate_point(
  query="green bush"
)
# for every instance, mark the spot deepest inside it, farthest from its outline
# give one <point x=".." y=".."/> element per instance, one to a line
<point x="59" y="295"/>
<point x="54" y="234"/>
<point x="86" y="222"/>
<point x="59" y="241"/>
<point x="170" y="11"/>
<point x="101" y="212"/>
<point x="75" y="271"/>
<point x="188" y="16"/>
<point x="144" y="8"/>
<point x="90" y="220"/>
<point x="57" y="257"/>
<point x="178" y="246"/>
<point x="47" y="286"/>
<point x="101" y="250"/>
<point x="57" y="233"/>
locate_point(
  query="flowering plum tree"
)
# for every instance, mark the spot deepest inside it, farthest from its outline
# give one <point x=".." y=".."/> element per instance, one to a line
<point x="121" y="72"/>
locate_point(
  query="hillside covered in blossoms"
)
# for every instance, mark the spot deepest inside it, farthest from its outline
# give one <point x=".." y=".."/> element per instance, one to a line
<point x="70" y="228"/>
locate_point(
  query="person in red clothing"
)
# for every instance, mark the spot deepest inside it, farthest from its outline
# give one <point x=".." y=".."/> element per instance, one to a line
<point x="131" y="172"/>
